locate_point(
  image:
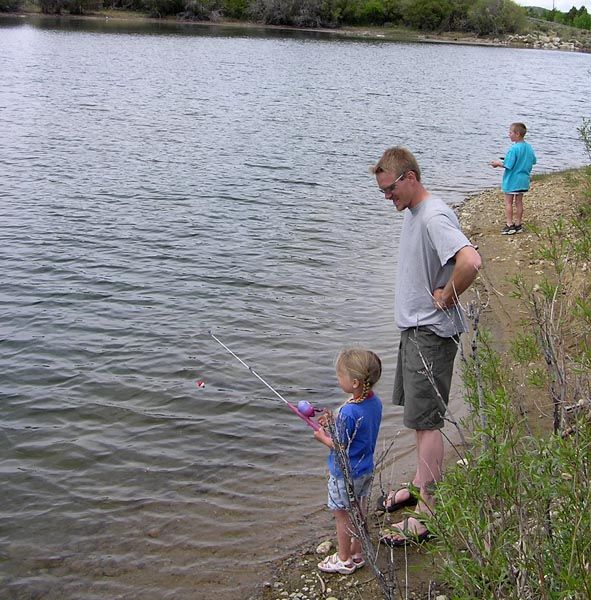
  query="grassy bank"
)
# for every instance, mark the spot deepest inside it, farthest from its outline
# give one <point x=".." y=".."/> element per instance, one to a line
<point x="515" y="524"/>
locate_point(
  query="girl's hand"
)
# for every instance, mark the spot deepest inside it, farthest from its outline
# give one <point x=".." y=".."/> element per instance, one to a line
<point x="323" y="438"/>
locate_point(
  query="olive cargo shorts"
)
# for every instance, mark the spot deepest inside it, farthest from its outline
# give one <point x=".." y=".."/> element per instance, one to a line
<point x="423" y="406"/>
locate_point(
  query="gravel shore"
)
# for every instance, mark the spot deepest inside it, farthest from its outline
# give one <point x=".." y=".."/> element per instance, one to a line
<point x="482" y="216"/>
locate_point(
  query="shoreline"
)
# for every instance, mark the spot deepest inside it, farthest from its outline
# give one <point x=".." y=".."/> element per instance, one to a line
<point x="535" y="39"/>
<point x="481" y="216"/>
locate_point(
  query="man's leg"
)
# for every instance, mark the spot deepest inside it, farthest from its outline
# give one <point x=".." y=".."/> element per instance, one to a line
<point x="429" y="471"/>
<point x="430" y="466"/>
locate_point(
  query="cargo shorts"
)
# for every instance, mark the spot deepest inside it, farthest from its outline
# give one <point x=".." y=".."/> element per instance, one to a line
<point x="424" y="402"/>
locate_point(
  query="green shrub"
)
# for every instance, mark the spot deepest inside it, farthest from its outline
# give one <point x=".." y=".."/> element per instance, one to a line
<point x="198" y="10"/>
<point x="296" y="13"/>
<point x="495" y="17"/>
<point x="164" y="8"/>
<point x="428" y="15"/>
<point x="235" y="9"/>
<point x="82" y="7"/>
<point x="11" y="5"/>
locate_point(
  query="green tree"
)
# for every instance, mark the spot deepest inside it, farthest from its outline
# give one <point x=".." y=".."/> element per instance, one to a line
<point x="235" y="9"/>
<point x="199" y="10"/>
<point x="51" y="7"/>
<point x="297" y="13"/>
<point x="10" y="5"/>
<point x="163" y="8"/>
<point x="494" y="17"/>
<point x="583" y="19"/>
<point x="427" y="14"/>
<point x="82" y="7"/>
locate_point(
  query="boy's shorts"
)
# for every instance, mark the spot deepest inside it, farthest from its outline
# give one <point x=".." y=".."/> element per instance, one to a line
<point x="337" y="492"/>
<point x="423" y="408"/>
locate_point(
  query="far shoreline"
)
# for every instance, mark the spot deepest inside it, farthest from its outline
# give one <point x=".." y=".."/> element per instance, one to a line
<point x="530" y="41"/>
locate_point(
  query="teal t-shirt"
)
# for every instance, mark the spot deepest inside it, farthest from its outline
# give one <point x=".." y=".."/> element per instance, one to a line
<point x="518" y="164"/>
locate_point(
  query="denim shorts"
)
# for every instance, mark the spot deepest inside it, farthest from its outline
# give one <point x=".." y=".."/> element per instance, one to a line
<point x="337" y="492"/>
<point x="424" y="406"/>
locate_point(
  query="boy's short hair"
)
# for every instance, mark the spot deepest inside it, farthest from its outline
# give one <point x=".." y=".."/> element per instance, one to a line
<point x="397" y="160"/>
<point x="519" y="128"/>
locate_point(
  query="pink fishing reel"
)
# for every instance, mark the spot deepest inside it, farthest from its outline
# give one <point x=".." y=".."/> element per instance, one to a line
<point x="307" y="409"/>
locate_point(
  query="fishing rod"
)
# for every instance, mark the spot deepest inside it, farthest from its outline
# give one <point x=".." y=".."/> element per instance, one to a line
<point x="304" y="410"/>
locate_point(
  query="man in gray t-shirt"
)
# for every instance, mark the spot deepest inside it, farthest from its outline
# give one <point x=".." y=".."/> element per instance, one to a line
<point x="436" y="264"/>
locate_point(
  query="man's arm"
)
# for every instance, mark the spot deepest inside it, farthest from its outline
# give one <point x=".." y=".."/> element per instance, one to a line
<point x="468" y="262"/>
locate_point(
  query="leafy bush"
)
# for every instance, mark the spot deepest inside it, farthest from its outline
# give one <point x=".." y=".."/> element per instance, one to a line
<point x="51" y="7"/>
<point x="583" y="20"/>
<point x="82" y="7"/>
<point x="296" y="13"/>
<point x="198" y="10"/>
<point x="10" y="5"/>
<point x="429" y="15"/>
<point x="74" y="7"/>
<point x="163" y="8"/>
<point x="495" y="17"/>
<point x="235" y="9"/>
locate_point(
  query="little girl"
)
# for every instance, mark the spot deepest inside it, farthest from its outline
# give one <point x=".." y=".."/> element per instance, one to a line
<point x="356" y="425"/>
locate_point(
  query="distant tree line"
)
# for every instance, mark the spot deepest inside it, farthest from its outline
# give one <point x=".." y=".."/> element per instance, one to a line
<point x="484" y="17"/>
<point x="575" y="17"/>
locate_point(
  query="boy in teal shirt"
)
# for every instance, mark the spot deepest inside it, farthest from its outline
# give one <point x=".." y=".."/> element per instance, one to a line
<point x="518" y="164"/>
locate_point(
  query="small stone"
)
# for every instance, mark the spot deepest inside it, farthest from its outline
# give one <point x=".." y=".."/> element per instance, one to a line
<point x="324" y="547"/>
<point x="441" y="597"/>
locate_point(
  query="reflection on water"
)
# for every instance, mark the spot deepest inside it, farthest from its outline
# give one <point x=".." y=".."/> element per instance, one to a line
<point x="156" y="186"/>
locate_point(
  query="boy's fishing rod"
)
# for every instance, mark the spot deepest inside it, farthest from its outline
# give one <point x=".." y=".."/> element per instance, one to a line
<point x="304" y="410"/>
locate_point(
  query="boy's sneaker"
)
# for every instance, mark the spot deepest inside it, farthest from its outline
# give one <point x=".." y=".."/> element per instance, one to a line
<point x="518" y="228"/>
<point x="508" y="230"/>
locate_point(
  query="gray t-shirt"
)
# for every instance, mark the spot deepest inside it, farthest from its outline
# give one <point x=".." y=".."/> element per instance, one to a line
<point x="430" y="238"/>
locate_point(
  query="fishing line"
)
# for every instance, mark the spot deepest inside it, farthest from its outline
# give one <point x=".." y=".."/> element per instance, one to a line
<point x="299" y="413"/>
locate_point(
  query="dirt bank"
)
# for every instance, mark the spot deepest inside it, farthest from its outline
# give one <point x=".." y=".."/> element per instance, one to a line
<point x="504" y="257"/>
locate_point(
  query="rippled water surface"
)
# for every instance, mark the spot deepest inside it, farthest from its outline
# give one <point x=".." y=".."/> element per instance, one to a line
<point x="160" y="182"/>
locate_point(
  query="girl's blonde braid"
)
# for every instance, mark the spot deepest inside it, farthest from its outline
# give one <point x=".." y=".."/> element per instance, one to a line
<point x="364" y="393"/>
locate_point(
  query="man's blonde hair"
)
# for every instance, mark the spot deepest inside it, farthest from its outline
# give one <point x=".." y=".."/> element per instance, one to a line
<point x="396" y="161"/>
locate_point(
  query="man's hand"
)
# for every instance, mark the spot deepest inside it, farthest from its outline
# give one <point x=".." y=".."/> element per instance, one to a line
<point x="439" y="301"/>
<point x="467" y="264"/>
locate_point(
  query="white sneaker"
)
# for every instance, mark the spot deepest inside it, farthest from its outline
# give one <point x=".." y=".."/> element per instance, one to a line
<point x="333" y="564"/>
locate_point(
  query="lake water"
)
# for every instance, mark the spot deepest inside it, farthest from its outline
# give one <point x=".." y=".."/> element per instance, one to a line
<point x="161" y="181"/>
